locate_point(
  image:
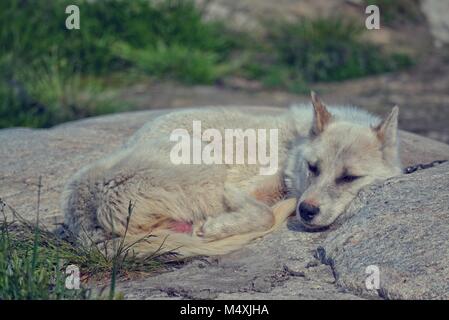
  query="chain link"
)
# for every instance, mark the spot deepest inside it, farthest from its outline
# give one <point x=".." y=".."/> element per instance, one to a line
<point x="421" y="166"/>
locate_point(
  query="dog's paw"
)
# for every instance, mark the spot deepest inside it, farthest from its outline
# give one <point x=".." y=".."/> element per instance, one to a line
<point x="209" y="230"/>
<point x="198" y="230"/>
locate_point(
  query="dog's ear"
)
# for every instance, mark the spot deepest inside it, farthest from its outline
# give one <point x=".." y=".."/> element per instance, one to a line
<point x="387" y="133"/>
<point x="321" y="117"/>
<point x="387" y="130"/>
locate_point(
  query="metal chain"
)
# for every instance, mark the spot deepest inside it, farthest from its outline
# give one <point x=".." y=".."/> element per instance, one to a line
<point x="421" y="166"/>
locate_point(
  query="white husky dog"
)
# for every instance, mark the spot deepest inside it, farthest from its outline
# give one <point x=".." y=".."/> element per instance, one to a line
<point x="325" y="156"/>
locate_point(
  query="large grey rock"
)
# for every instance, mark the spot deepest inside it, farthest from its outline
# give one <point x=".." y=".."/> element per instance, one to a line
<point x="279" y="266"/>
<point x="402" y="227"/>
<point x="436" y="14"/>
<point x="57" y="153"/>
<point x="252" y="15"/>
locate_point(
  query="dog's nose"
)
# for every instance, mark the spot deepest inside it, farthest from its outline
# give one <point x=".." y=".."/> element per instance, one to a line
<point x="307" y="211"/>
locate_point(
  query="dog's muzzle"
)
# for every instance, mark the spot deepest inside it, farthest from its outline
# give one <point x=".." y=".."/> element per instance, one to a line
<point x="307" y="211"/>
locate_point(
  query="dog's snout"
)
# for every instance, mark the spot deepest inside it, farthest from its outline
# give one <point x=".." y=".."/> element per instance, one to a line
<point x="307" y="211"/>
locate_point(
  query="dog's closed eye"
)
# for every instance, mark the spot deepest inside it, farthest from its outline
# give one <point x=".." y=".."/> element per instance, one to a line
<point x="314" y="169"/>
<point x="346" y="178"/>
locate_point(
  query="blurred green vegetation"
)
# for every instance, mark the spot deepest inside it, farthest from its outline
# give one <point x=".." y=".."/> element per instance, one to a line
<point x="49" y="74"/>
<point x="396" y="12"/>
<point x="323" y="49"/>
<point x="33" y="262"/>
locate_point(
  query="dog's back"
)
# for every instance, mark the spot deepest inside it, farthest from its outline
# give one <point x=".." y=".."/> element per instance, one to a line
<point x="228" y="203"/>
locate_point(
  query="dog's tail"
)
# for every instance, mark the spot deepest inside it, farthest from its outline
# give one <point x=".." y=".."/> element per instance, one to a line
<point x="186" y="245"/>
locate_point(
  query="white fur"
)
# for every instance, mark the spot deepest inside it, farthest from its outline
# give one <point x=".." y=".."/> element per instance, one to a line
<point x="228" y="205"/>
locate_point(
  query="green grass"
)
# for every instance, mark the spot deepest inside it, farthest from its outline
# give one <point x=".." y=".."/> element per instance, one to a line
<point x="31" y="270"/>
<point x="190" y="66"/>
<point x="318" y="50"/>
<point x="49" y="74"/>
<point x="45" y="92"/>
<point x="33" y="263"/>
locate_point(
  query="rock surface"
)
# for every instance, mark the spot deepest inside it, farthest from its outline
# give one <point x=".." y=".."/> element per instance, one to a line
<point x="401" y="225"/>
<point x="436" y="14"/>
<point x="278" y="266"/>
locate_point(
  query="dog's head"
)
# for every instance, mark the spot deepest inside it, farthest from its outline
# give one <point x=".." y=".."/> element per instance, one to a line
<point x="338" y="159"/>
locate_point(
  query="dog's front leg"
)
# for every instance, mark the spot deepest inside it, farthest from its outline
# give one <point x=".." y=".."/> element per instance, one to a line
<point x="246" y="215"/>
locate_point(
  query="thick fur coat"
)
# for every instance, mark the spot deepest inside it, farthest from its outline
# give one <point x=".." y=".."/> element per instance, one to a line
<point x="325" y="156"/>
